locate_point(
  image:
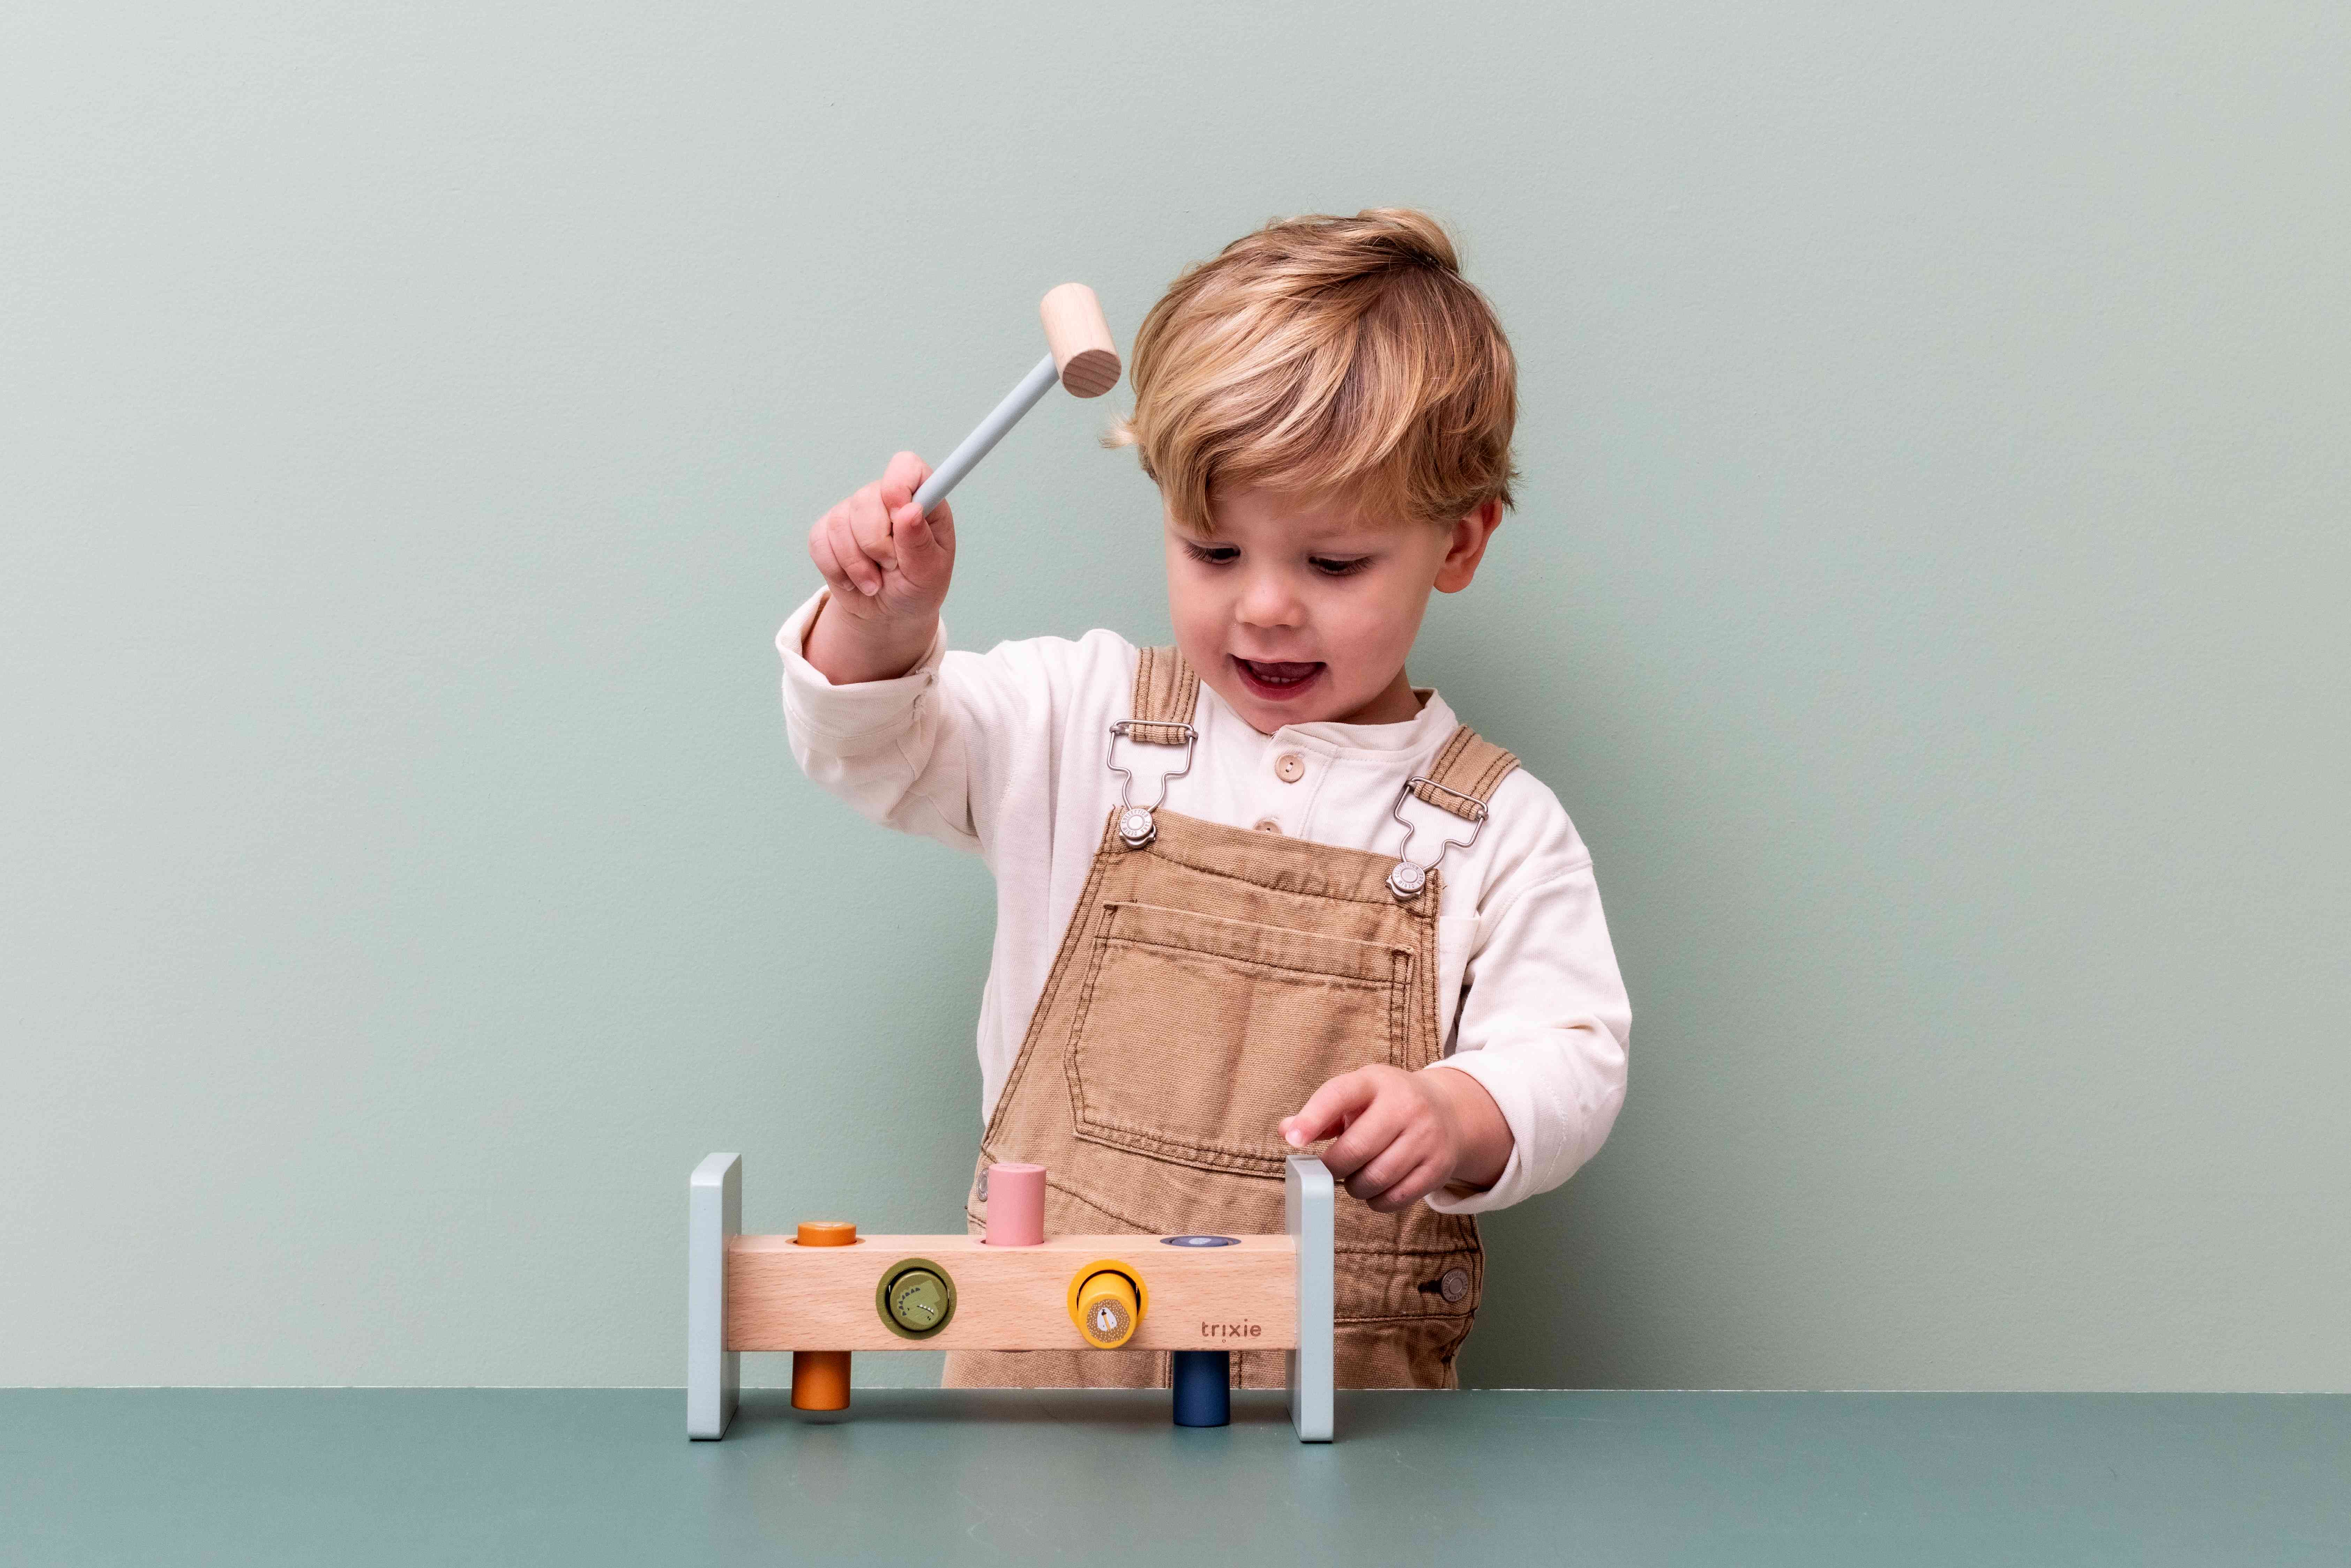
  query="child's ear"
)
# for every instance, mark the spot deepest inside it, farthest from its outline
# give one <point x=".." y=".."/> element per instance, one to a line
<point x="1467" y="547"/>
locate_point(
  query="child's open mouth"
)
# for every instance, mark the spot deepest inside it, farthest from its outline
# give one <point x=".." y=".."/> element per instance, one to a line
<point x="1275" y="682"/>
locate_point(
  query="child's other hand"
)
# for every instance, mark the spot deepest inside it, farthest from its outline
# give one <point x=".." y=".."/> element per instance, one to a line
<point x="887" y="567"/>
<point x="880" y="557"/>
<point x="1401" y="1135"/>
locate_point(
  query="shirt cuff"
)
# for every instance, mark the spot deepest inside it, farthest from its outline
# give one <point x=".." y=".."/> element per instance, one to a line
<point x="1514" y="1096"/>
<point x="865" y="711"/>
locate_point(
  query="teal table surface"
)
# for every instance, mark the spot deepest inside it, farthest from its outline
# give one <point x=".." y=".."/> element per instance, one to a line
<point x="591" y="1476"/>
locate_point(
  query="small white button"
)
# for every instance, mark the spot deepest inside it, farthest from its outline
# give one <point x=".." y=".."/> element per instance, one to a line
<point x="1289" y="768"/>
<point x="1268" y="825"/>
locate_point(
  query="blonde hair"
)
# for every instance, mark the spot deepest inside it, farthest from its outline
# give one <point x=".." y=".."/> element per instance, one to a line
<point x="1324" y="353"/>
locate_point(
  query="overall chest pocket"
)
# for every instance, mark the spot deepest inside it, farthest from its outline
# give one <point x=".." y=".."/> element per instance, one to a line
<point x="1195" y="1034"/>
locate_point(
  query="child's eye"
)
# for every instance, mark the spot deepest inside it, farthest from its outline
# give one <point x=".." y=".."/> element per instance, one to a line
<point x="1329" y="566"/>
<point x="1212" y="555"/>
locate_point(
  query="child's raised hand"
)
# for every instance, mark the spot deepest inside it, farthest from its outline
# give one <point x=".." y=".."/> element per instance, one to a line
<point x="1401" y="1135"/>
<point x="881" y="557"/>
<point x="888" y="568"/>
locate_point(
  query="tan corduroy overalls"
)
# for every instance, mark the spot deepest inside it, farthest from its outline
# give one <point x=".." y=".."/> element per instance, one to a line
<point x="1210" y="981"/>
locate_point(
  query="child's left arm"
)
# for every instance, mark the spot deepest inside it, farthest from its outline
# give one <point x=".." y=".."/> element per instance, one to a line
<point x="1536" y="1072"/>
<point x="1402" y="1135"/>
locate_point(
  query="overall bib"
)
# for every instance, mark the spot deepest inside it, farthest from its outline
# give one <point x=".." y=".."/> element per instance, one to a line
<point x="1212" y="979"/>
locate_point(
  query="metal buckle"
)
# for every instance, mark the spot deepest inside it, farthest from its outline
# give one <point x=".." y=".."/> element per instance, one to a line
<point x="1135" y="827"/>
<point x="1409" y="878"/>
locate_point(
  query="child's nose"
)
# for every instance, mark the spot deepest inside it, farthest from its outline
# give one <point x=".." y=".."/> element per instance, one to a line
<point x="1268" y="600"/>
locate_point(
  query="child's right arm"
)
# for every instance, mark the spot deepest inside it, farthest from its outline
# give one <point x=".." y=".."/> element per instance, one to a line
<point x="961" y="748"/>
<point x="888" y="567"/>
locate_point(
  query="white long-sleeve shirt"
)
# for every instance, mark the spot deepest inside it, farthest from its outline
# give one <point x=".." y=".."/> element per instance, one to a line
<point x="1005" y="753"/>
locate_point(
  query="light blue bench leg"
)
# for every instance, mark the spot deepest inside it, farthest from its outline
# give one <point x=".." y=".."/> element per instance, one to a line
<point x="1307" y="1205"/>
<point x="714" y="1212"/>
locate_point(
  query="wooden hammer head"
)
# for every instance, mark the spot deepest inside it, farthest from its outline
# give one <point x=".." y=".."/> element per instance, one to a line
<point x="1080" y="338"/>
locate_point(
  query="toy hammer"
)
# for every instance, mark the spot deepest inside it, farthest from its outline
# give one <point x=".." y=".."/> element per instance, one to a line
<point x="1081" y="358"/>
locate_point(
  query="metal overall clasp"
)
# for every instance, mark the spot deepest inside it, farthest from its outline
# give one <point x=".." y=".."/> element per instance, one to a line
<point x="1135" y="827"/>
<point x="1409" y="877"/>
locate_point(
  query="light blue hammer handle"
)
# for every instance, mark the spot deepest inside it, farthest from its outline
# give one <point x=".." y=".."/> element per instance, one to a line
<point x="1081" y="358"/>
<point x="976" y="445"/>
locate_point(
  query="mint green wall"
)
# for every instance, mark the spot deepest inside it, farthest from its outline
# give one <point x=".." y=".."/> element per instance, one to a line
<point x="1929" y="597"/>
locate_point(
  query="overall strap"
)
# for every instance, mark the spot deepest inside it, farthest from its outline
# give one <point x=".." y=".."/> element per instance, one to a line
<point x="1166" y="691"/>
<point x="1465" y="775"/>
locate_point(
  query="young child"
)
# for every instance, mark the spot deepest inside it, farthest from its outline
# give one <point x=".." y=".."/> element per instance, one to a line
<point x="1255" y="891"/>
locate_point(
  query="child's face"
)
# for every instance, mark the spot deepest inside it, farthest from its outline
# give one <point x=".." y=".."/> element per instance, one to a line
<point x="1301" y="608"/>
